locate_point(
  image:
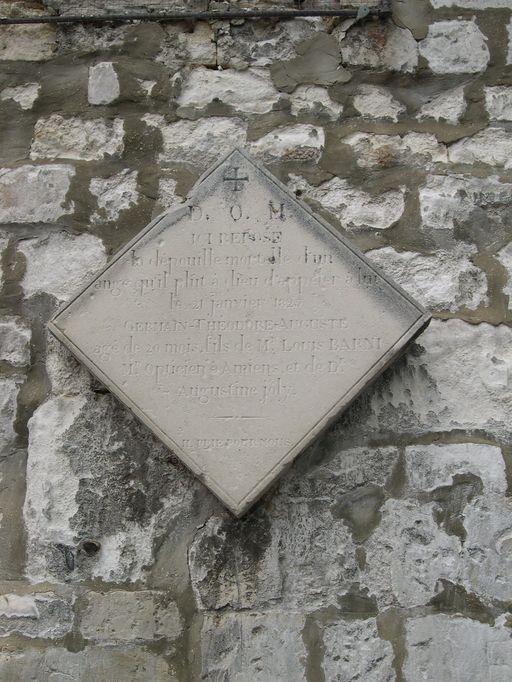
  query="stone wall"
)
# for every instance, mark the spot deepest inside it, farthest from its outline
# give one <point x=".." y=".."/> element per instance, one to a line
<point x="385" y="553"/>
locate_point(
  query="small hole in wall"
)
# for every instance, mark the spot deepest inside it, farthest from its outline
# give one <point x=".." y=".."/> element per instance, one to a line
<point x="298" y="192"/>
<point x="91" y="547"/>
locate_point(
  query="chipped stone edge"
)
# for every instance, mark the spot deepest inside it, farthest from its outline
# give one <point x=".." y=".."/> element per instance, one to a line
<point x="165" y="220"/>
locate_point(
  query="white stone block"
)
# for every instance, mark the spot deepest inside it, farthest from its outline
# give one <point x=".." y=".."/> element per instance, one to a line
<point x="103" y="86"/>
<point x="300" y="142"/>
<point x="250" y="91"/>
<point x="373" y="101"/>
<point x="15" y="341"/>
<point x="35" y="194"/>
<point x="455" y="47"/>
<point x="76" y="138"/>
<point x="115" y="194"/>
<point x="24" y="95"/>
<point x="445" y="280"/>
<point x="60" y="264"/>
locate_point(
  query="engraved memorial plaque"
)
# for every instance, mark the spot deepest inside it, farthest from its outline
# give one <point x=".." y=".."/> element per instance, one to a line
<point x="237" y="327"/>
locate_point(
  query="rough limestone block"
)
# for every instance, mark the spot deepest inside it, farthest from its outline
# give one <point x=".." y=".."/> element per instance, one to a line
<point x="373" y="101"/>
<point x="505" y="258"/>
<point x="24" y="95"/>
<point x="492" y="146"/>
<point x="29" y="42"/>
<point x="447" y="201"/>
<point x="455" y="47"/>
<point x="120" y="616"/>
<point x="253" y="647"/>
<point x="94" y="472"/>
<point x="67" y="376"/>
<point x="413" y="149"/>
<point x="487" y="560"/>
<point x="76" y="138"/>
<point x="448" y="106"/>
<point x="384" y="46"/>
<point x="41" y="614"/>
<point x="35" y="194"/>
<point x="8" y="402"/>
<point x="15" y="337"/>
<point x="446" y="648"/>
<point x="201" y="142"/>
<point x="498" y="102"/>
<point x="433" y="466"/>
<point x="89" y="665"/>
<point x="200" y="45"/>
<point x="4" y="243"/>
<point x="300" y="142"/>
<point x="407" y="554"/>
<point x="114" y="194"/>
<point x="250" y="91"/>
<point x="446" y="280"/>
<point x="103" y="85"/>
<point x="353" y="651"/>
<point x="312" y="100"/>
<point x="456" y="379"/>
<point x="353" y="207"/>
<point x="60" y="264"/>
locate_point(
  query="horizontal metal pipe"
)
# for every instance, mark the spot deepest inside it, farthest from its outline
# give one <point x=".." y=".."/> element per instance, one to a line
<point x="204" y="15"/>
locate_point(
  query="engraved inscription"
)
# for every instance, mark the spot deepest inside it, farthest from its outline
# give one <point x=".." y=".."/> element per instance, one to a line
<point x="236" y="327"/>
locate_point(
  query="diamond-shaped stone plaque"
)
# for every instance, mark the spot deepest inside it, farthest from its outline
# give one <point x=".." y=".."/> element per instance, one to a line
<point x="237" y="327"/>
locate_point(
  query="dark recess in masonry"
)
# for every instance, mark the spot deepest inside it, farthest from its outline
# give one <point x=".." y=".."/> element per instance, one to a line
<point x="202" y="15"/>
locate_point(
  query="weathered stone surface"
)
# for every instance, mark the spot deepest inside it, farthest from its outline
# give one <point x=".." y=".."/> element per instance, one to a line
<point x="14" y="341"/>
<point x="407" y="554"/>
<point x="299" y="142"/>
<point x="103" y="86"/>
<point x="447" y="201"/>
<point x="8" y="397"/>
<point x="60" y="263"/>
<point x="355" y="208"/>
<point x="255" y="44"/>
<point x="509" y="52"/>
<point x="94" y="472"/>
<point x="487" y="561"/>
<point x="120" y="616"/>
<point x="35" y="194"/>
<point x="457" y="380"/>
<point x="318" y="62"/>
<point x="492" y="146"/>
<point x="251" y="646"/>
<point x="65" y="373"/>
<point x="30" y="42"/>
<point x="384" y="46"/>
<point x="115" y="194"/>
<point x="471" y="4"/>
<point x="52" y="486"/>
<point x="40" y="614"/>
<point x="353" y="651"/>
<point x="498" y="102"/>
<point x="24" y="95"/>
<point x="432" y="466"/>
<point x="417" y="149"/>
<point x="444" y="647"/>
<point x="200" y="45"/>
<point x="312" y="100"/>
<point x="76" y="138"/>
<point x="4" y="242"/>
<point x="455" y="47"/>
<point x="167" y="195"/>
<point x="201" y="142"/>
<point x="130" y="663"/>
<point x="448" y="106"/>
<point x="250" y="91"/>
<point x="374" y="101"/>
<point x="446" y="280"/>
<point x="505" y="258"/>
